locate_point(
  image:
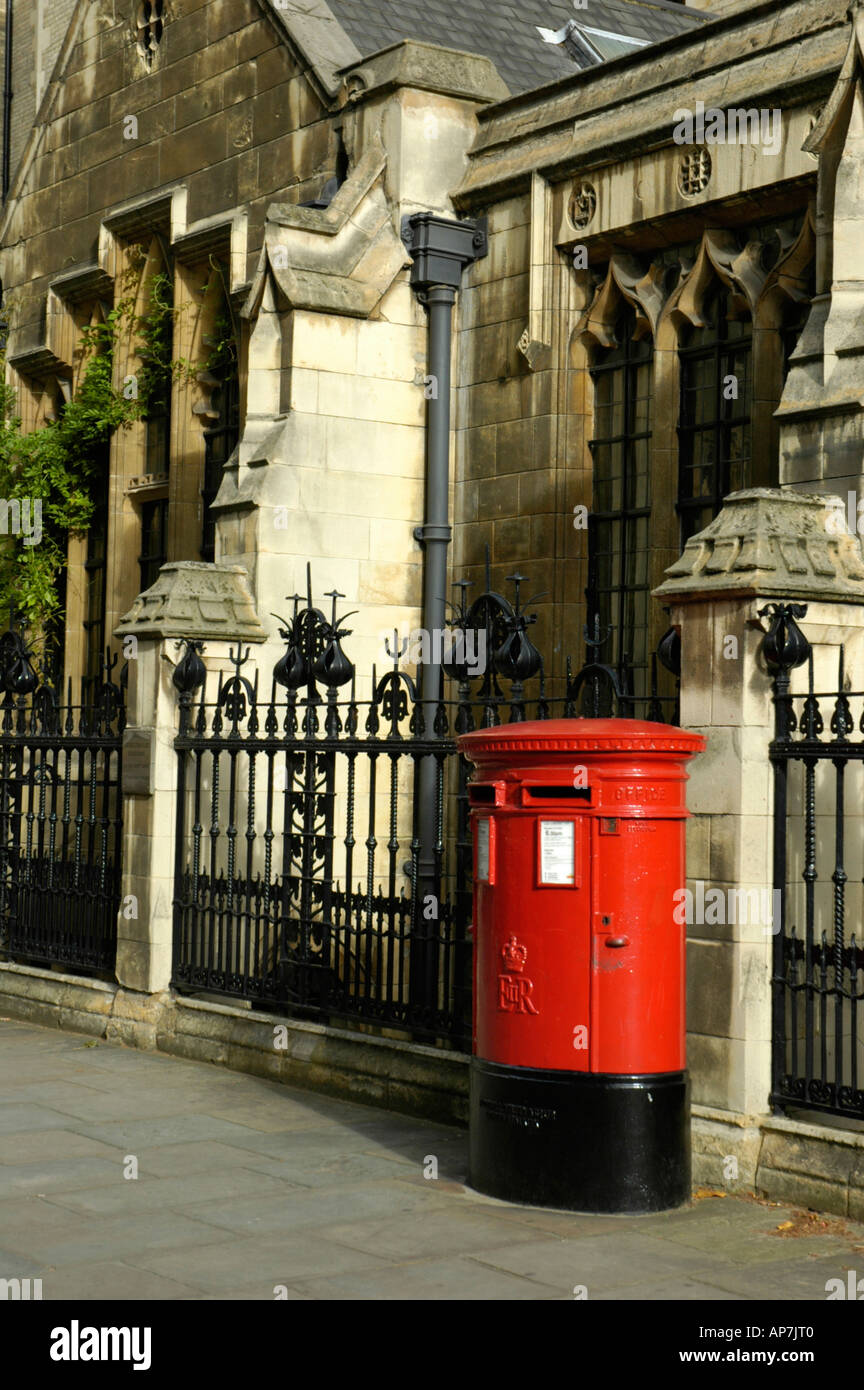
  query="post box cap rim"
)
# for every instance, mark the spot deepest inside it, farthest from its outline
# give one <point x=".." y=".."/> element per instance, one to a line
<point x="582" y="735"/>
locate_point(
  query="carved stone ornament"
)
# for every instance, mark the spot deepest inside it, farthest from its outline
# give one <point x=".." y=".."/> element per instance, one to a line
<point x="537" y="355"/>
<point x="721" y="257"/>
<point x="195" y="600"/>
<point x="771" y="541"/>
<point x="694" y="171"/>
<point x="627" y="281"/>
<point x="582" y="205"/>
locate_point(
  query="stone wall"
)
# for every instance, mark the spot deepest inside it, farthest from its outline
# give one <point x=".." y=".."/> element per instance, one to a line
<point x="38" y="30"/>
<point x="588" y="217"/>
<point x="513" y="491"/>
<point x="181" y="159"/>
<point x="225" y="109"/>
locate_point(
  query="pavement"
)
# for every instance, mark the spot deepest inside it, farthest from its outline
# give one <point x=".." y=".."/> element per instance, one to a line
<point x="247" y="1189"/>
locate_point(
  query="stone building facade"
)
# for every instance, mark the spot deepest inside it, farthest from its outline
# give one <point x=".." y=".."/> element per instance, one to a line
<point x="660" y="316"/>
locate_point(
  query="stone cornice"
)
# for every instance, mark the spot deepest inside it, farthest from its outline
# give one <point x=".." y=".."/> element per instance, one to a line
<point x="774" y="54"/>
<point x="84" y="282"/>
<point x="769" y="541"/>
<point x="425" y="67"/>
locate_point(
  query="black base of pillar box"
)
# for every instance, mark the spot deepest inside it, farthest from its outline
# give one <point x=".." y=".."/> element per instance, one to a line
<point x="582" y="1142"/>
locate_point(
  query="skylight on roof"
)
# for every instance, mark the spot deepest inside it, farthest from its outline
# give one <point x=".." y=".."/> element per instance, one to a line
<point x="620" y="38"/>
<point x="589" y="46"/>
<point x="574" y="41"/>
<point x="554" y="35"/>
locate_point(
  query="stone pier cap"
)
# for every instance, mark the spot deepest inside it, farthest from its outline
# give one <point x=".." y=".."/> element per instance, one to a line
<point x="195" y="600"/>
<point x="775" y="542"/>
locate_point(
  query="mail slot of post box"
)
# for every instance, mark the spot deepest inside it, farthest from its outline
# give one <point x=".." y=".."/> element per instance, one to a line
<point x="562" y="793"/>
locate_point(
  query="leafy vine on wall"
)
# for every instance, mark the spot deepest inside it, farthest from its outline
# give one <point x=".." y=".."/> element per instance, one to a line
<point x="51" y="472"/>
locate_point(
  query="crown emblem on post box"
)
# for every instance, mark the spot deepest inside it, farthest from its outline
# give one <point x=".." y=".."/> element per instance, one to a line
<point x="514" y="955"/>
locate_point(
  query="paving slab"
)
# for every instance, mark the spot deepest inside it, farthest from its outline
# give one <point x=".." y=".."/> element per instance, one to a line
<point x="101" y="1107"/>
<point x="63" y="1175"/>
<point x="249" y="1190"/>
<point x="14" y="1265"/>
<point x="799" y="1277"/>
<point x="57" y="1094"/>
<point x="20" y="1117"/>
<point x="32" y="1217"/>
<point x="95" y="1239"/>
<point x="197" y="1156"/>
<point x="433" y="1234"/>
<point x="561" y="1223"/>
<point x="111" y="1279"/>
<point x="741" y="1237"/>
<point x="599" y="1264"/>
<point x="264" y="1263"/>
<point x="27" y="1146"/>
<point x="452" y="1279"/>
<point x="140" y="1135"/>
<point x="314" y="1146"/>
<point x="198" y="1193"/>
<point x="300" y="1208"/>
<point x="672" y="1290"/>
<point x="335" y="1170"/>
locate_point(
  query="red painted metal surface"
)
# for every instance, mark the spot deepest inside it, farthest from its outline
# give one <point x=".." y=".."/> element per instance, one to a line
<point x="579" y="849"/>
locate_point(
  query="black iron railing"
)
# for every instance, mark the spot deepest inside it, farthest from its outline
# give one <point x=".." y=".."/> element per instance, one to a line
<point x="818" y="963"/>
<point x="309" y="875"/>
<point x="60" y="816"/>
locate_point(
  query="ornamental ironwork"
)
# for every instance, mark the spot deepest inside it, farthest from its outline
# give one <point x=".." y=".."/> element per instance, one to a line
<point x="308" y="878"/>
<point x="818" y="963"/>
<point x="60" y="813"/>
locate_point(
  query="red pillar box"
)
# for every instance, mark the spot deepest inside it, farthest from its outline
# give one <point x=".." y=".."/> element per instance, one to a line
<point x="579" y="1095"/>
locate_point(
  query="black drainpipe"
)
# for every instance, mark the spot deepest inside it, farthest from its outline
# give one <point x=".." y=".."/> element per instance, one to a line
<point x="7" y="97"/>
<point x="441" y="249"/>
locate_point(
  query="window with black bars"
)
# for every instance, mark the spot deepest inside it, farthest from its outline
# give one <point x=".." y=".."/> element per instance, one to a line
<point x="219" y="444"/>
<point x="94" y="578"/>
<point x="618" y="535"/>
<point x="716" y="402"/>
<point x="158" y="434"/>
<point x="154" y="519"/>
<point x="159" y="377"/>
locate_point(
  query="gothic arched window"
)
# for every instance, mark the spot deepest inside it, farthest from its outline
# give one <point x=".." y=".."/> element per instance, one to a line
<point x="716" y="404"/>
<point x="618" y="535"/>
<point x="95" y="572"/>
<point x="223" y="413"/>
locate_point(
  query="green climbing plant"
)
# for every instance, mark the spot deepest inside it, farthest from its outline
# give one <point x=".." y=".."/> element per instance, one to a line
<point x="48" y="475"/>
<point x="46" y="481"/>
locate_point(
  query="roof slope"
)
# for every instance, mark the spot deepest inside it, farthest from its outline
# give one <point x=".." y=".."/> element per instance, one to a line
<point x="506" y="30"/>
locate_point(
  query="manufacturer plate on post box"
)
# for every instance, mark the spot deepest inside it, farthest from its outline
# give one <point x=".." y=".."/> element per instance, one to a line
<point x="557" y="853"/>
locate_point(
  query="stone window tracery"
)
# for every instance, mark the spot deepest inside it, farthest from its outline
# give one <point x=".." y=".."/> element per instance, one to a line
<point x="150" y="22"/>
<point x="694" y="173"/>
